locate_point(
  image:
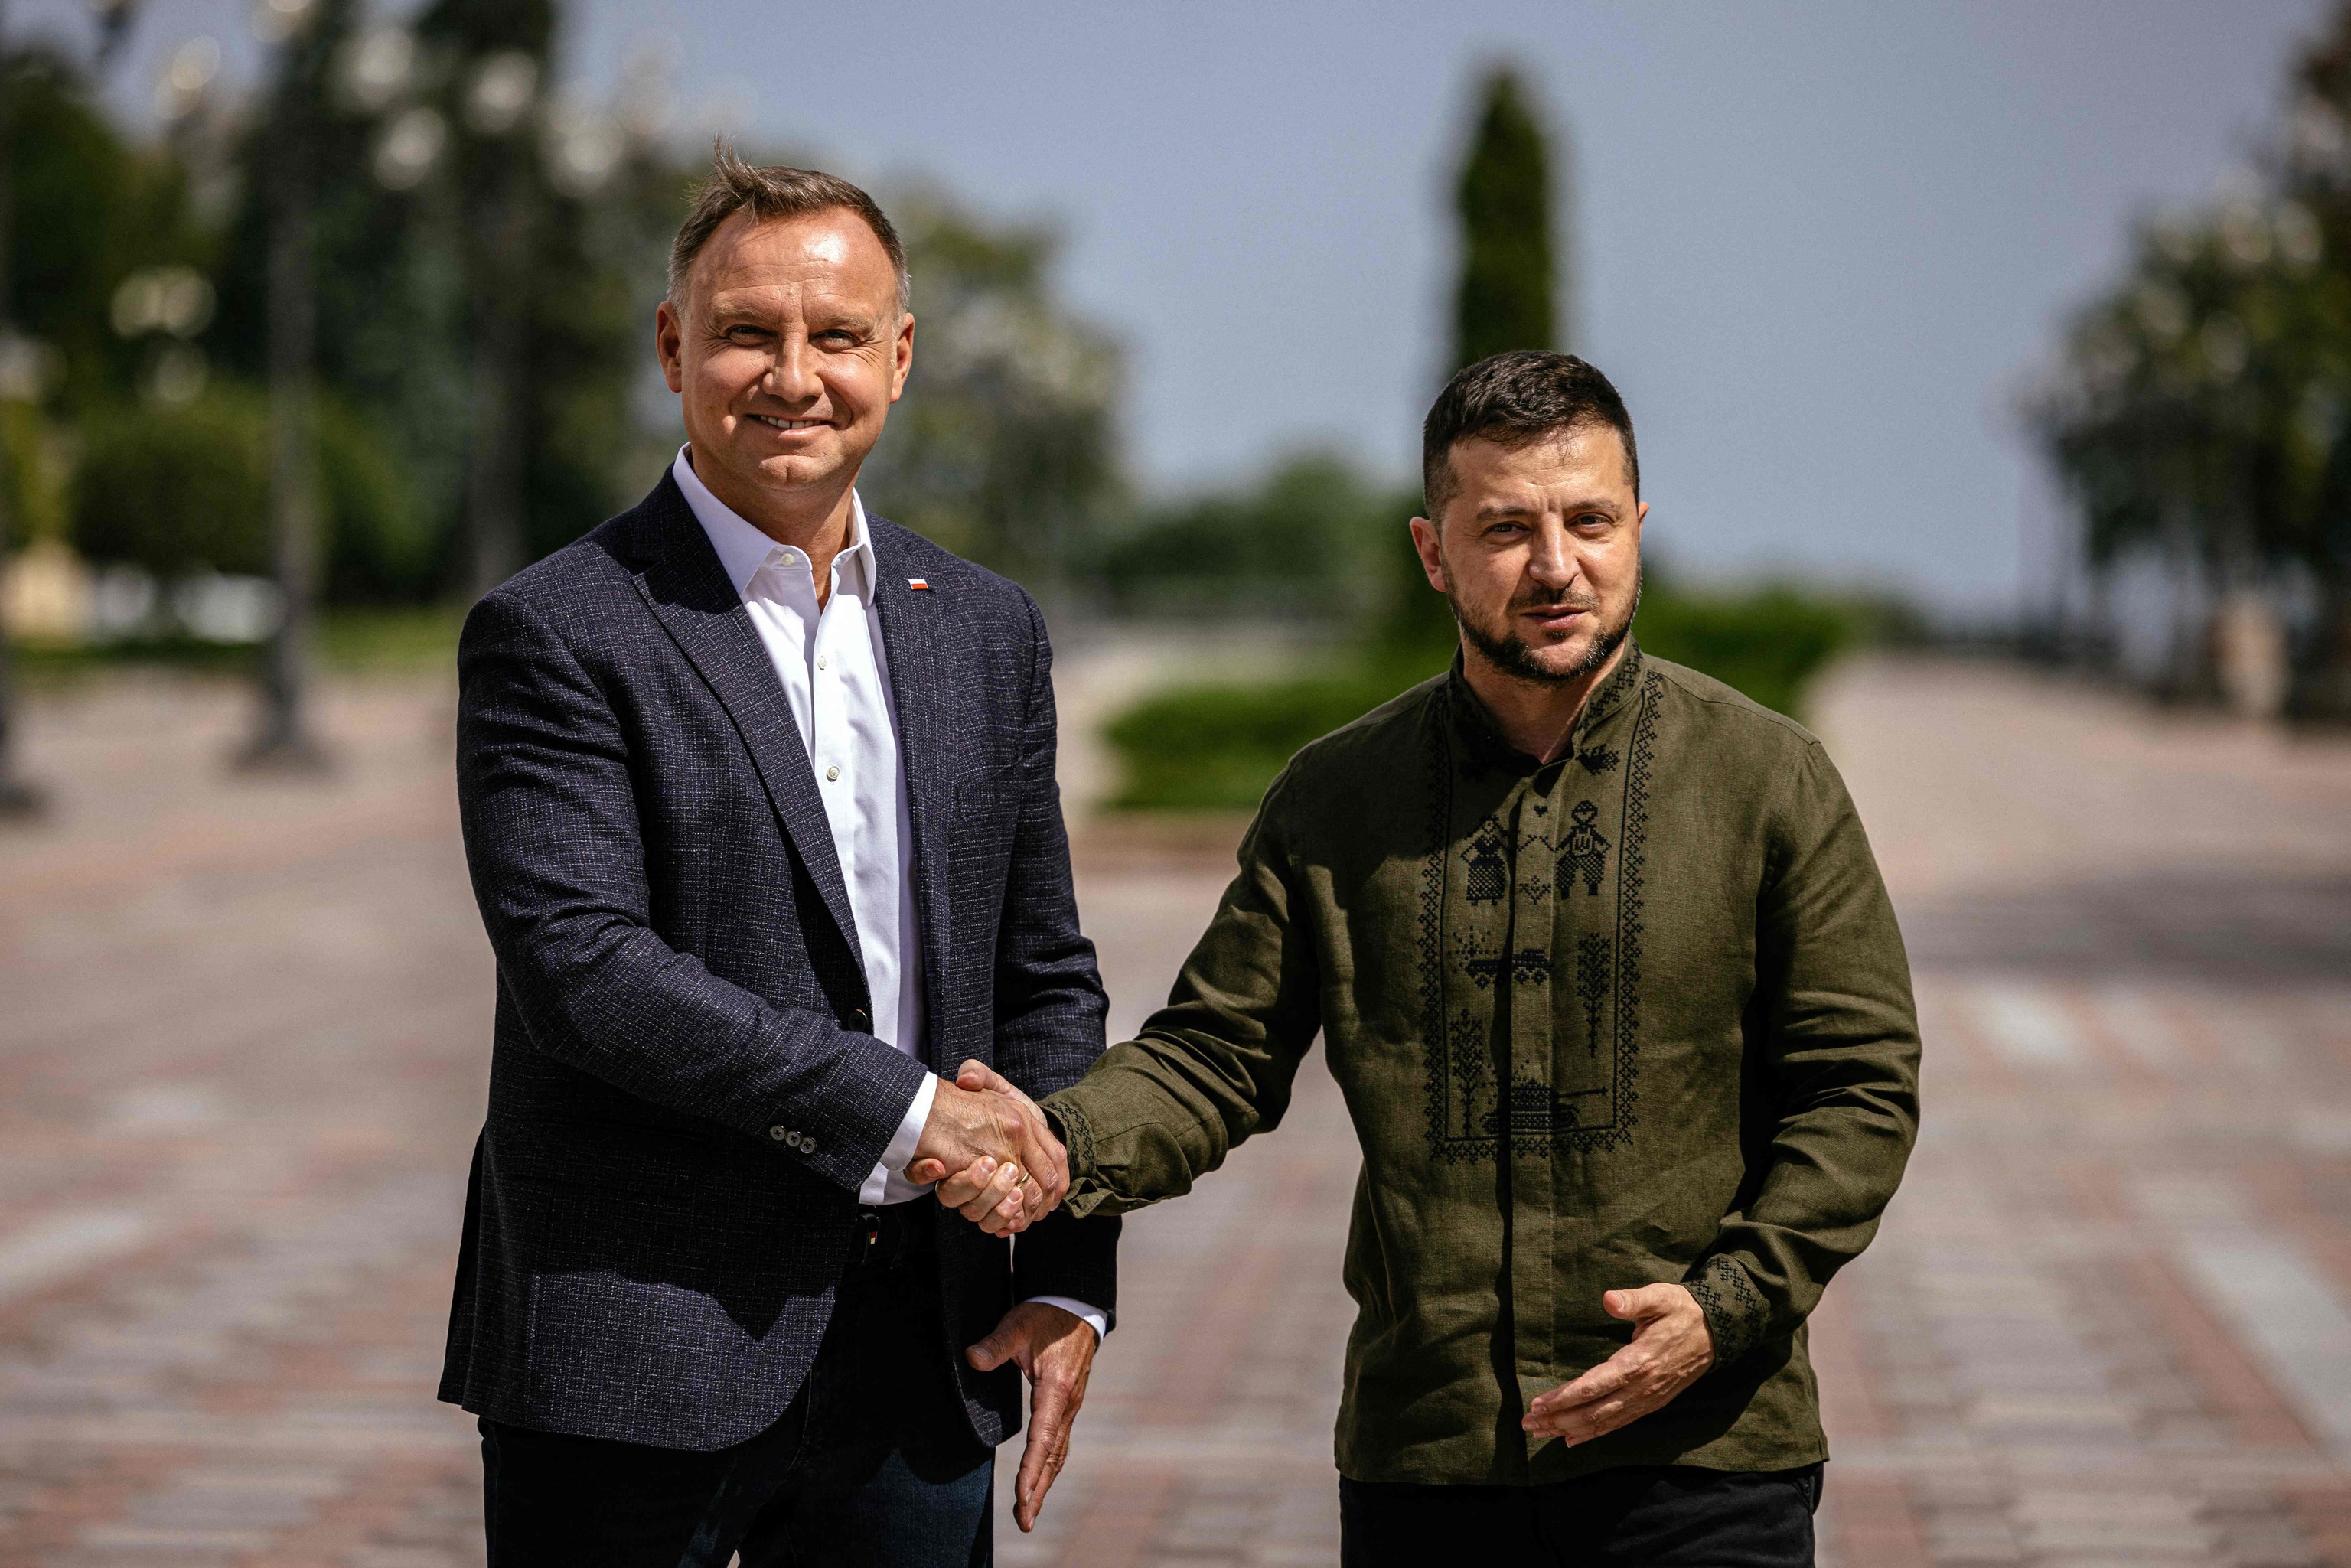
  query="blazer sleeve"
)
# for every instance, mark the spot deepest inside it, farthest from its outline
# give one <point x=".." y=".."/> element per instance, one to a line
<point x="1051" y="1009"/>
<point x="546" y="789"/>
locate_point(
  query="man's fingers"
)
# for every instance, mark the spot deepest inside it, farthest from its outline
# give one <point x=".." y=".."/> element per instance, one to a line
<point x="976" y="1075"/>
<point x="922" y="1173"/>
<point x="966" y="1183"/>
<point x="1000" y="1186"/>
<point x="994" y="1351"/>
<point x="1047" y="1450"/>
<point x="1599" y="1383"/>
<point x="1648" y="1302"/>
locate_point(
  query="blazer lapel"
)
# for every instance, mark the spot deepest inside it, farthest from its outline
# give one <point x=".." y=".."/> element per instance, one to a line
<point x="688" y="590"/>
<point x="918" y="691"/>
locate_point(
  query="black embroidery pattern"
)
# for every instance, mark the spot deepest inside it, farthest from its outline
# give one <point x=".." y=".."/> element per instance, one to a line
<point x="1536" y="889"/>
<point x="1469" y="1049"/>
<point x="1585" y="853"/>
<point x="1480" y="966"/>
<point x="1592" y="985"/>
<point x="1467" y="1118"/>
<point x="1632" y="871"/>
<point x="1600" y="759"/>
<point x="1735" y="1312"/>
<point x="1431" y="918"/>
<point x="1490" y="879"/>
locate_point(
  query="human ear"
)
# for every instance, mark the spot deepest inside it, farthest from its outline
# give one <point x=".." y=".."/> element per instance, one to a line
<point x="1430" y="549"/>
<point x="903" y="352"/>
<point x="669" y="344"/>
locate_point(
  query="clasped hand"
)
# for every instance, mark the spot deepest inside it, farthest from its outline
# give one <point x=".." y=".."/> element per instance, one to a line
<point x="999" y="1164"/>
<point x="987" y="1147"/>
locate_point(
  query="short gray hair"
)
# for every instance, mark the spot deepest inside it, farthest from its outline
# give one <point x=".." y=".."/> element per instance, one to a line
<point x="774" y="194"/>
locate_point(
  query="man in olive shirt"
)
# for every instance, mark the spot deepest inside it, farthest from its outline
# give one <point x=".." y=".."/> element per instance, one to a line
<point x="1606" y="970"/>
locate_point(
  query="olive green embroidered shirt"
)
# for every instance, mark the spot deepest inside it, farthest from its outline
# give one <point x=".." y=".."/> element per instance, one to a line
<point x="1639" y="1014"/>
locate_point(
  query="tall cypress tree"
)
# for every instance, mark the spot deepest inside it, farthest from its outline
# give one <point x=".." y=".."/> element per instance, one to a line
<point x="1507" y="298"/>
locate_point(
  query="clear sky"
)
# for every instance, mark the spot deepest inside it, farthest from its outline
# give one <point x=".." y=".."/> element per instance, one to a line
<point x="1819" y="246"/>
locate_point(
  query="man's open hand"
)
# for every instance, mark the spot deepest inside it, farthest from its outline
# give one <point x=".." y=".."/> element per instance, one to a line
<point x="1056" y="1350"/>
<point x="1671" y="1349"/>
<point x="1009" y="1171"/>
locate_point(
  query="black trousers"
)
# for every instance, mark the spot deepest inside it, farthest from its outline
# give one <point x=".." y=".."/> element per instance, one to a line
<point x="1659" y="1516"/>
<point x="873" y="1465"/>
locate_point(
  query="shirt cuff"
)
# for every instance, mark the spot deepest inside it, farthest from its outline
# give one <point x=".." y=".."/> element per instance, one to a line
<point x="1094" y="1316"/>
<point x="899" y="1153"/>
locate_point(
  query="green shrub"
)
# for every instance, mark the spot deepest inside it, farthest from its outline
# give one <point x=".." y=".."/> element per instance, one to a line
<point x="1216" y="748"/>
<point x="1768" y="644"/>
<point x="176" y="490"/>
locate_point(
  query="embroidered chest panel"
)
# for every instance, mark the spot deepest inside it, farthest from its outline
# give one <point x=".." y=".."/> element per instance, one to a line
<point x="1529" y="945"/>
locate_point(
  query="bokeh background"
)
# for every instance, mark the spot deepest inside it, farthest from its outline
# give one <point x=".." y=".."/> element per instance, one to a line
<point x="1992" y="367"/>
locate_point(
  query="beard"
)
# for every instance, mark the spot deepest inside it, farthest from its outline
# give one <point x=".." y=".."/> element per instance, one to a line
<point x="1508" y="653"/>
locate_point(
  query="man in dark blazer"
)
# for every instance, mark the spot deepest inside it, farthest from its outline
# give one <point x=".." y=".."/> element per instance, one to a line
<point x="758" y="799"/>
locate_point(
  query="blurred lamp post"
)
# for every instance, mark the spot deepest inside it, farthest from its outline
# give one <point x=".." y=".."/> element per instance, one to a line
<point x="18" y="364"/>
<point x="285" y="742"/>
<point x="500" y="97"/>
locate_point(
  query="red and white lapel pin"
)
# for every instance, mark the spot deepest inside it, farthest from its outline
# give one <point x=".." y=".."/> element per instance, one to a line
<point x="919" y="584"/>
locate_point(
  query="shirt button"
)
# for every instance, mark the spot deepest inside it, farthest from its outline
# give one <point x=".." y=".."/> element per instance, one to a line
<point x="819" y="661"/>
<point x="779" y="1133"/>
<point x="832" y="773"/>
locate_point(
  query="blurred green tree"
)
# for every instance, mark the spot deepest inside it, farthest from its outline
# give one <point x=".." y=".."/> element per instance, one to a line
<point x="88" y="209"/>
<point x="1303" y="538"/>
<point x="488" y="261"/>
<point x="1508" y="294"/>
<point x="1506" y="297"/>
<point x="1005" y="448"/>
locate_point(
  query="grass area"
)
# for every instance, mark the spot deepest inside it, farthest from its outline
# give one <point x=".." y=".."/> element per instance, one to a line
<point x="1216" y="748"/>
<point x="406" y="638"/>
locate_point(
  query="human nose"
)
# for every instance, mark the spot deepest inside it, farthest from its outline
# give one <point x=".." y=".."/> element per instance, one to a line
<point x="792" y="377"/>
<point x="1553" y="561"/>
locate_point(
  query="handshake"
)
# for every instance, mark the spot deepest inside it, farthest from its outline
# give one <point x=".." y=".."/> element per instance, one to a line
<point x="989" y="1151"/>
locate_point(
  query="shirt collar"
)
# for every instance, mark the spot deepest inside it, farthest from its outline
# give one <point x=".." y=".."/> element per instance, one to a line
<point x="743" y="549"/>
<point x="1485" y="738"/>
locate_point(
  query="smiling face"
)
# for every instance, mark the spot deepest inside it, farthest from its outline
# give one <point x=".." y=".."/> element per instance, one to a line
<point x="1540" y="551"/>
<point x="787" y="353"/>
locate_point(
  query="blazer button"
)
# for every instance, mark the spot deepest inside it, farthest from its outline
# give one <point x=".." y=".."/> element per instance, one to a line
<point x="808" y="1145"/>
<point x="859" y="1019"/>
<point x="779" y="1133"/>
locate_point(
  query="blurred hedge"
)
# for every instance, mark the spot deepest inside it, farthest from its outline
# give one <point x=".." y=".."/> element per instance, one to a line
<point x="1216" y="748"/>
<point x="178" y="490"/>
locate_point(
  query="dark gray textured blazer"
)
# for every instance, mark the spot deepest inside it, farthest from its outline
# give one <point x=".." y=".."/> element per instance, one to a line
<point x="648" y="1256"/>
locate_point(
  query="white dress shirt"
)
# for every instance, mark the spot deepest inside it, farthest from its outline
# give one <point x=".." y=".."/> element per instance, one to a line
<point x="836" y="676"/>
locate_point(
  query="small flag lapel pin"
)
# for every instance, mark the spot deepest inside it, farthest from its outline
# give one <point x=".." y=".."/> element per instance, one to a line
<point x="919" y="584"/>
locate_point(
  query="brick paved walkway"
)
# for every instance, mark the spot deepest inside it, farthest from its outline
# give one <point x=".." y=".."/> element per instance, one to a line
<point x="2109" y="1321"/>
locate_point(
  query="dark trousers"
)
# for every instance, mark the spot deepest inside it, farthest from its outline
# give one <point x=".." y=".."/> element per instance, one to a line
<point x="1659" y="1516"/>
<point x="873" y="1465"/>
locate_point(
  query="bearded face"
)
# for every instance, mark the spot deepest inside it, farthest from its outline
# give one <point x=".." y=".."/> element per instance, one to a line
<point x="1539" y="552"/>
